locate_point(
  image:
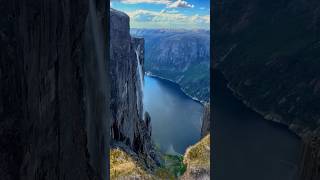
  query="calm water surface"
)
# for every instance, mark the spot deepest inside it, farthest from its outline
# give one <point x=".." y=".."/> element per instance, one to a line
<point x="247" y="146"/>
<point x="175" y="117"/>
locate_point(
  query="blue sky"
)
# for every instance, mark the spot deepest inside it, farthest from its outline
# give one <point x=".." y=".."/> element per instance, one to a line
<point x="172" y="14"/>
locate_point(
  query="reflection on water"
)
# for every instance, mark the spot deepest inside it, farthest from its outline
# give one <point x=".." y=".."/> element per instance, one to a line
<point x="175" y="117"/>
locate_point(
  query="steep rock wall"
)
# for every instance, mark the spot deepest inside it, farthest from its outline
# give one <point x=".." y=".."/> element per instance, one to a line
<point x="43" y="103"/>
<point x="126" y="55"/>
<point x="310" y="163"/>
<point x="205" y="128"/>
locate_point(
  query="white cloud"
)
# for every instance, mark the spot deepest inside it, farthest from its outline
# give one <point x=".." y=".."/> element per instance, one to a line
<point x="148" y="19"/>
<point x="180" y="4"/>
<point x="201" y="19"/>
<point x="171" y="11"/>
<point x="169" y="3"/>
<point x="144" y="1"/>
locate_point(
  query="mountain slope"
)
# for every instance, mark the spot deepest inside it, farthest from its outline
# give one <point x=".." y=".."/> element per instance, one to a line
<point x="179" y="55"/>
<point x="197" y="159"/>
<point x="269" y="52"/>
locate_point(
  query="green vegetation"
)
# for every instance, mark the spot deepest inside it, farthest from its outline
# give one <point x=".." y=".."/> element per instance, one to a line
<point x="124" y="166"/>
<point x="197" y="159"/>
<point x="199" y="154"/>
<point x="194" y="81"/>
<point x="173" y="166"/>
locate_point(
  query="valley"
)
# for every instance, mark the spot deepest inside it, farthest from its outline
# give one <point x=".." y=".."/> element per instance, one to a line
<point x="181" y="56"/>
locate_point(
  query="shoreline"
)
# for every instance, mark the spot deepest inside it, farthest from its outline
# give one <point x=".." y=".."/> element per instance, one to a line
<point x="266" y="116"/>
<point x="184" y="92"/>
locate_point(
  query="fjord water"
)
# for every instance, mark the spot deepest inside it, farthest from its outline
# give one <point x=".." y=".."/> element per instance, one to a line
<point x="247" y="146"/>
<point x="175" y="117"/>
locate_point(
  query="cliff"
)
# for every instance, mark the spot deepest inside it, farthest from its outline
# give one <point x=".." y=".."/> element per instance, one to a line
<point x="130" y="124"/>
<point x="182" y="56"/>
<point x="126" y="165"/>
<point x="205" y="128"/>
<point x="197" y="159"/>
<point x="310" y="162"/>
<point x="53" y="90"/>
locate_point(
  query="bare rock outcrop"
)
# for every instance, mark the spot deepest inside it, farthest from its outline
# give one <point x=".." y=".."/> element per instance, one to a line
<point x="205" y="128"/>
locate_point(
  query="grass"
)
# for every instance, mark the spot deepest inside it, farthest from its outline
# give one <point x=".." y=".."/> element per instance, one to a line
<point x="124" y="166"/>
<point x="172" y="168"/>
<point x="198" y="155"/>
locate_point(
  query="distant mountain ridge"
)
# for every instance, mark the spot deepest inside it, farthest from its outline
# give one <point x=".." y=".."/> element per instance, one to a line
<point x="179" y="55"/>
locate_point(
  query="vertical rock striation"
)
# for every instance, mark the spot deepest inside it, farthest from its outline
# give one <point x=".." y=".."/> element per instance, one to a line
<point x="52" y="123"/>
<point x="310" y="164"/>
<point x="205" y="128"/>
<point x="126" y="55"/>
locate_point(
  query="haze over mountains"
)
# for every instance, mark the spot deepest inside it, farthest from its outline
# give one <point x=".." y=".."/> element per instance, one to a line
<point x="179" y="55"/>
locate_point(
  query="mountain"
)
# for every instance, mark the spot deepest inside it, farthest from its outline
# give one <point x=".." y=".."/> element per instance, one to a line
<point x="270" y="54"/>
<point x="179" y="55"/>
<point x="269" y="51"/>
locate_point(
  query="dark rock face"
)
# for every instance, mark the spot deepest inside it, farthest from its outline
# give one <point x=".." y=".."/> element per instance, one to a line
<point x="310" y="164"/>
<point x="46" y="125"/>
<point x="127" y="56"/>
<point x="179" y="55"/>
<point x="205" y="128"/>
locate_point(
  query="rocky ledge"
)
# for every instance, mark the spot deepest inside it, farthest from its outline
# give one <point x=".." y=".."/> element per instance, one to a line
<point x="197" y="159"/>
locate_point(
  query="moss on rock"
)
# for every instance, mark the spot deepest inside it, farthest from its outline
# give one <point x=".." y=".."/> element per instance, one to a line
<point x="197" y="159"/>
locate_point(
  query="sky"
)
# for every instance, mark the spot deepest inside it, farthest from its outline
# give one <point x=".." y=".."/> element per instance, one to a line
<point x="169" y="14"/>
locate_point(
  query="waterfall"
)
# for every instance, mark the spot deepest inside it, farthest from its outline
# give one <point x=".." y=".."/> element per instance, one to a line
<point x="141" y="74"/>
<point x="140" y="77"/>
